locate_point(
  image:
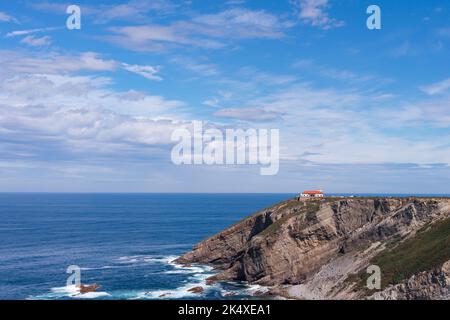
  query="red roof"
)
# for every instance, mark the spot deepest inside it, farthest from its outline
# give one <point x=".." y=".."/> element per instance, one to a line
<point x="313" y="192"/>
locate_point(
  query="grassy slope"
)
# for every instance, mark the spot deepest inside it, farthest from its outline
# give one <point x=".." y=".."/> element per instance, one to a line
<point x="429" y="249"/>
<point x="308" y="207"/>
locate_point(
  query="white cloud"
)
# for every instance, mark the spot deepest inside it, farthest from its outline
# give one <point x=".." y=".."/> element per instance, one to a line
<point x="434" y="113"/>
<point x="248" y="114"/>
<point x="80" y="116"/>
<point x="401" y="50"/>
<point x="57" y="91"/>
<point x="54" y="63"/>
<point x="213" y="102"/>
<point x="148" y="72"/>
<point x="135" y="10"/>
<point x="201" y="68"/>
<point x="36" y="42"/>
<point x="207" y="31"/>
<point x="7" y="18"/>
<point x="29" y="31"/>
<point x="329" y="72"/>
<point x="314" y="13"/>
<point x="437" y="88"/>
<point x="329" y="126"/>
<point x="240" y="23"/>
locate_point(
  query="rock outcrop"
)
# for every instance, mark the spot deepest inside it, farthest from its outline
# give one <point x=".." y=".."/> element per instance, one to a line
<point x="308" y="248"/>
<point x="89" y="288"/>
<point x="196" y="290"/>
<point x="427" y="285"/>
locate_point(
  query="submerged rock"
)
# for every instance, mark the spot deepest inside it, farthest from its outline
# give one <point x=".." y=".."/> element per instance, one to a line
<point x="89" y="288"/>
<point x="196" y="290"/>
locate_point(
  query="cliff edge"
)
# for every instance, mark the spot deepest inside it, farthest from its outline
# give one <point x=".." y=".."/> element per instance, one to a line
<point x="320" y="248"/>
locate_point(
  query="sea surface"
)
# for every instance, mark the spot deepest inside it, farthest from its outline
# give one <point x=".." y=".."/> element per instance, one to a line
<point x="124" y="242"/>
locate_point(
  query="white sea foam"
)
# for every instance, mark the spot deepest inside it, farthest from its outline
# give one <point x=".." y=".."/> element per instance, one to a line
<point x="179" y="269"/>
<point x="100" y="268"/>
<point x="142" y="259"/>
<point x="199" y="274"/>
<point x="245" y="290"/>
<point x="252" y="289"/>
<point x="177" y="293"/>
<point x="92" y="295"/>
<point x="69" y="292"/>
<point x="196" y="277"/>
<point x="74" y="292"/>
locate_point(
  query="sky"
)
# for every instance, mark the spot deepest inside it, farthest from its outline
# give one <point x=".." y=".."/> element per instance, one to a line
<point x="93" y="110"/>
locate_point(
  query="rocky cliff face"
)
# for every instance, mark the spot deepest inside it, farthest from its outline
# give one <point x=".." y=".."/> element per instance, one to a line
<point x="427" y="285"/>
<point x="308" y="248"/>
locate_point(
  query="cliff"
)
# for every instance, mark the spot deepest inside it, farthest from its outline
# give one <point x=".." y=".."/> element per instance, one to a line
<point x="318" y="249"/>
<point x="426" y="285"/>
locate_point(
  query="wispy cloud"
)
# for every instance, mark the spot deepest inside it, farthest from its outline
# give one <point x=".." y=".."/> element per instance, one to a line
<point x="402" y="49"/>
<point x="330" y="72"/>
<point x="17" y="33"/>
<point x="7" y="18"/>
<point x="443" y="32"/>
<point x="213" y="102"/>
<point x="37" y="41"/>
<point x="148" y="72"/>
<point x="83" y="112"/>
<point x="205" y="31"/>
<point x="248" y="114"/>
<point x="315" y="13"/>
<point x="55" y="63"/>
<point x="329" y="126"/>
<point x="200" y="68"/>
<point x="135" y="10"/>
<point x="437" y="88"/>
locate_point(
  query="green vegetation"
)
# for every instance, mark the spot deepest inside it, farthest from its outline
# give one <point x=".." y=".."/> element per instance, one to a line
<point x="311" y="208"/>
<point x="429" y="249"/>
<point x="307" y="208"/>
<point x="274" y="227"/>
<point x="314" y="204"/>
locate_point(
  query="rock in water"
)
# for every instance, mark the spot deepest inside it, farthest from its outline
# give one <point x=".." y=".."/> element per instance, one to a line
<point x="89" y="288"/>
<point x="196" y="290"/>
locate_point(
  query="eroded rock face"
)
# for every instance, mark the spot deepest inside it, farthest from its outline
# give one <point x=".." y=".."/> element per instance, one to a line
<point x="290" y="242"/>
<point x="427" y="285"/>
<point x="223" y="248"/>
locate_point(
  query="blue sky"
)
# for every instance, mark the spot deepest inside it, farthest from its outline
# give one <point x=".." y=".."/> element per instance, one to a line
<point x="93" y="109"/>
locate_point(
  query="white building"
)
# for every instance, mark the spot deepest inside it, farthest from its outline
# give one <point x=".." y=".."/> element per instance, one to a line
<point x="312" y="194"/>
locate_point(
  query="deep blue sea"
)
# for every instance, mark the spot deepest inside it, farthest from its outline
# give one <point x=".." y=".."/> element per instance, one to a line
<point x="124" y="242"/>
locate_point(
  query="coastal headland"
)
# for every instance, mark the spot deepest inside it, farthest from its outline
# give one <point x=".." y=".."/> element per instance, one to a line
<point x="322" y="248"/>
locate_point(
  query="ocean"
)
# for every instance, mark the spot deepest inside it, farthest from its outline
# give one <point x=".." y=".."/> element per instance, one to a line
<point x="124" y="242"/>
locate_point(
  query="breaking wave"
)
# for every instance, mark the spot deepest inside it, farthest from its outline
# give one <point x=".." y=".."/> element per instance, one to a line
<point x="69" y="292"/>
<point x="187" y="277"/>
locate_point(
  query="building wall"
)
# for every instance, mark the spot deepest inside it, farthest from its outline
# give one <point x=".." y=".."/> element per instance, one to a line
<point x="303" y="195"/>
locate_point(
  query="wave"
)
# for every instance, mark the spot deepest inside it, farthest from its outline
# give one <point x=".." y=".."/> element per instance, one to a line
<point x="100" y="268"/>
<point x="196" y="276"/>
<point x="252" y="289"/>
<point x="197" y="280"/>
<point x="138" y="259"/>
<point x="194" y="268"/>
<point x="199" y="274"/>
<point x="69" y="292"/>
